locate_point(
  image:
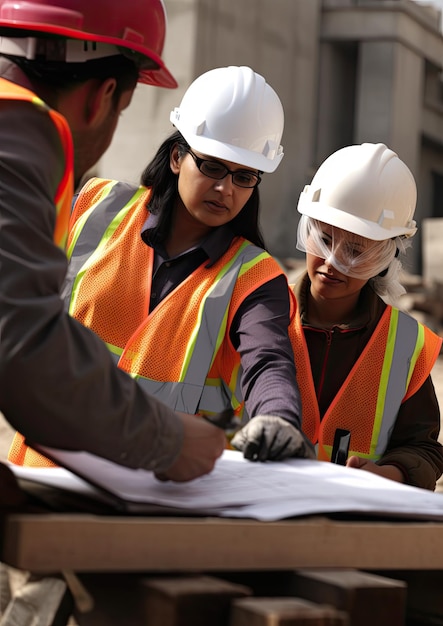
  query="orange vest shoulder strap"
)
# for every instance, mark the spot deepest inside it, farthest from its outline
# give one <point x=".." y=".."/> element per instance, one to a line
<point x="428" y="355"/>
<point x="63" y="195"/>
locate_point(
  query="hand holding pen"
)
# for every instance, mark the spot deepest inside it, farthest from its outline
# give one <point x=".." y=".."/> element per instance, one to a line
<point x="202" y="444"/>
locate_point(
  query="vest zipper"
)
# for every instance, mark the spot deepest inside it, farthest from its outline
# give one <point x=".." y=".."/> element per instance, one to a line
<point x="328" y="334"/>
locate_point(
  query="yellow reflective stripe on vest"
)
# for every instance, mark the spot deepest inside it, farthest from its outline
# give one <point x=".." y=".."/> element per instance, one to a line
<point x="418" y="348"/>
<point x="402" y="349"/>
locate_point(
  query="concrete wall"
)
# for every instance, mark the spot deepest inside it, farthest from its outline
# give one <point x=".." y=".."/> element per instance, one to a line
<point x="346" y="71"/>
<point x="278" y="39"/>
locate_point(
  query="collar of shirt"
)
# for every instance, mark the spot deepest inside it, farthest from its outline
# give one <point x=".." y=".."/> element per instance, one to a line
<point x="214" y="245"/>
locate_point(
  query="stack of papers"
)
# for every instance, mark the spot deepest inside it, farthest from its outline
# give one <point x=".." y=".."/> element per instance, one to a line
<point x="239" y="488"/>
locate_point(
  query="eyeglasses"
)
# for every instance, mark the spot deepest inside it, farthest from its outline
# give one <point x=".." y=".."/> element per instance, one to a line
<point x="218" y="171"/>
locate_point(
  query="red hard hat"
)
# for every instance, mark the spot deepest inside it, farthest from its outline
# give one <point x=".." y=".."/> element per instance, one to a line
<point x="139" y="25"/>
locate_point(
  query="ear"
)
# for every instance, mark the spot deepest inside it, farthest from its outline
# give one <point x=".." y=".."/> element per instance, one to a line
<point x="174" y="160"/>
<point x="99" y="101"/>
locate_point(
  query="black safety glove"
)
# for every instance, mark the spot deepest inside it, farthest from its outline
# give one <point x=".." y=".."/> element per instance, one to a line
<point x="271" y="438"/>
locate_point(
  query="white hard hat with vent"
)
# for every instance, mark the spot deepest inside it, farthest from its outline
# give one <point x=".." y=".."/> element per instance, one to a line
<point x="364" y="189"/>
<point x="231" y="113"/>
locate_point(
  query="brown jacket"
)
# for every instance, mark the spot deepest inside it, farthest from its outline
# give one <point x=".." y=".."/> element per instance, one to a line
<point x="58" y="383"/>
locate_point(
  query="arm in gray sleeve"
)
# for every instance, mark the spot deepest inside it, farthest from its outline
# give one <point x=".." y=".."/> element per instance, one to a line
<point x="269" y="385"/>
<point x="260" y="334"/>
<point x="58" y="384"/>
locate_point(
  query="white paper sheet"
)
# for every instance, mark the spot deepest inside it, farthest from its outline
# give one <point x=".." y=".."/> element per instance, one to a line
<point x="239" y="488"/>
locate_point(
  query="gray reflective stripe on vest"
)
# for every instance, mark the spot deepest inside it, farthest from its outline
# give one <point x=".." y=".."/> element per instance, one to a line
<point x="186" y="397"/>
<point x="404" y="346"/>
<point x="93" y="230"/>
<point x="183" y="396"/>
<point x="215" y="308"/>
<point x="191" y="394"/>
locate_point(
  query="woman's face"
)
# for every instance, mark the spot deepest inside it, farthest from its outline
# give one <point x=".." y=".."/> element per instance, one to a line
<point x="326" y="281"/>
<point x="208" y="201"/>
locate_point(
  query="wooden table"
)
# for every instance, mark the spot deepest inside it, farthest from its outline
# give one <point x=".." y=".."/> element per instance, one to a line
<point x="114" y="550"/>
<point x="52" y="542"/>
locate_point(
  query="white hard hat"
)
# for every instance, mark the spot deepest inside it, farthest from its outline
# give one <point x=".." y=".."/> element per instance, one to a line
<point x="364" y="189"/>
<point x="231" y="113"/>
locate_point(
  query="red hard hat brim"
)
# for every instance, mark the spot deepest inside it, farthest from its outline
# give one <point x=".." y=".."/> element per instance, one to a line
<point x="159" y="78"/>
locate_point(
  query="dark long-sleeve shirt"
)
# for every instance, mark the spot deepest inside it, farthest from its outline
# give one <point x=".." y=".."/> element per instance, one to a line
<point x="259" y="329"/>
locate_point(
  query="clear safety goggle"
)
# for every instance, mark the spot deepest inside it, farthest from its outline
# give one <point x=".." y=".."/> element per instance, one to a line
<point x="350" y="254"/>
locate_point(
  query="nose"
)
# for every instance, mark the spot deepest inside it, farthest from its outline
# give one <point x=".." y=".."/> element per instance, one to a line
<point x="225" y="184"/>
<point x="328" y="263"/>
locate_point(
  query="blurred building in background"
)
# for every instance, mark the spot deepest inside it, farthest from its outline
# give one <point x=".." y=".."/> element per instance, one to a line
<point x="347" y="71"/>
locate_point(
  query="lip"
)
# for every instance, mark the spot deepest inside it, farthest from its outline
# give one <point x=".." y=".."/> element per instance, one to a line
<point x="329" y="278"/>
<point x="216" y="207"/>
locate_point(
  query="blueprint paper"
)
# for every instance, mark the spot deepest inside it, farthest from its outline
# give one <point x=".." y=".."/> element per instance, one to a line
<point x="240" y="488"/>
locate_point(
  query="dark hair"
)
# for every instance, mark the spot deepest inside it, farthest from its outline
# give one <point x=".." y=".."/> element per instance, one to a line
<point x="164" y="185"/>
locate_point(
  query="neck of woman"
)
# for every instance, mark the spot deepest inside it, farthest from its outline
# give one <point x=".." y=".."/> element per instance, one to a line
<point x="329" y="313"/>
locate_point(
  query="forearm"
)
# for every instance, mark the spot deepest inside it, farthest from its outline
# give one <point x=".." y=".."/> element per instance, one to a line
<point x="61" y="389"/>
<point x="419" y="467"/>
<point x="268" y="383"/>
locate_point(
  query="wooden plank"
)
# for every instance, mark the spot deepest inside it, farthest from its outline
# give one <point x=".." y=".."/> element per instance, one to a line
<point x="284" y="612"/>
<point x="368" y="599"/>
<point x="82" y="543"/>
<point x="424" y="597"/>
<point x="135" y="600"/>
<point x="190" y="600"/>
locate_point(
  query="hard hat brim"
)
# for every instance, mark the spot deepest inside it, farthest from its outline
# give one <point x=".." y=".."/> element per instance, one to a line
<point x="352" y="224"/>
<point x="234" y="154"/>
<point x="160" y="77"/>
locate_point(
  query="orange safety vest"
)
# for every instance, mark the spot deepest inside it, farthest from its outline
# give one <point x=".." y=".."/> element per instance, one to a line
<point x="392" y="367"/>
<point x="65" y="190"/>
<point x="180" y="352"/>
<point x="19" y="453"/>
